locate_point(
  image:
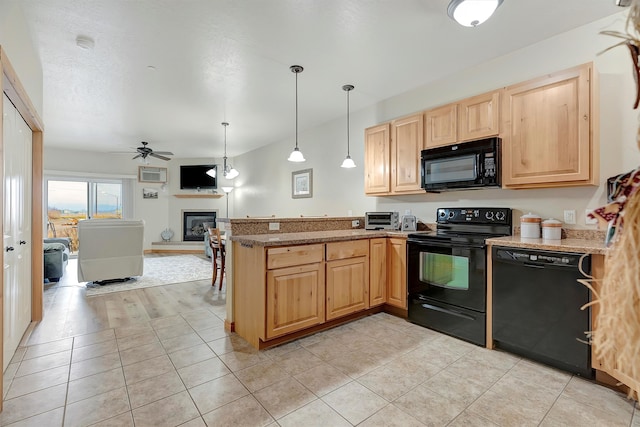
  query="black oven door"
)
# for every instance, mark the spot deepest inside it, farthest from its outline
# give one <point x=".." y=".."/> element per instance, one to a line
<point x="448" y="272"/>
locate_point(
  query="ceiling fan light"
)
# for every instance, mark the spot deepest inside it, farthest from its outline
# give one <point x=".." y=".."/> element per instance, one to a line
<point x="212" y="172"/>
<point x="471" y="13"/>
<point x="296" y="156"/>
<point x="348" y="163"/>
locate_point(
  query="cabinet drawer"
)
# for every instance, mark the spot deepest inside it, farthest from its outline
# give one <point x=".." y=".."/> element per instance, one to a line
<point x="350" y="249"/>
<point x="294" y="255"/>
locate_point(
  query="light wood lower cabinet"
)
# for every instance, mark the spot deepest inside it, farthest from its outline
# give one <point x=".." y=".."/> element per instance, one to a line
<point x="284" y="290"/>
<point x="347" y="286"/>
<point x="397" y="272"/>
<point x="347" y="277"/>
<point x="377" y="271"/>
<point x="295" y="298"/>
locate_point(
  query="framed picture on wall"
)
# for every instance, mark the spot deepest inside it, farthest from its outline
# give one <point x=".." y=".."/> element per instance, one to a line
<point x="302" y="184"/>
<point x="149" y="193"/>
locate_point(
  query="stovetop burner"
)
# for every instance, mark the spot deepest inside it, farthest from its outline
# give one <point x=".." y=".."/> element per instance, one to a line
<point x="472" y="225"/>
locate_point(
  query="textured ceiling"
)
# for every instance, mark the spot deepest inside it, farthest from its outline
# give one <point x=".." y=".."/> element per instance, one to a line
<point x="229" y="61"/>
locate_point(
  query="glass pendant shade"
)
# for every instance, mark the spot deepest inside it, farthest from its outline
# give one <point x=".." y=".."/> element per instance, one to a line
<point x="348" y="163"/>
<point x="230" y="172"/>
<point x="296" y="154"/>
<point x="471" y="13"/>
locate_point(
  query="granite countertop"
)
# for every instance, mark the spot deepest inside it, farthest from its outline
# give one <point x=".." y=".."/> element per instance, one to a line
<point x="282" y="239"/>
<point x="591" y="246"/>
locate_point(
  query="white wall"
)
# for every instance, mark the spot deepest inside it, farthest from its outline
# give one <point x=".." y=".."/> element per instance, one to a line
<point x="264" y="188"/>
<point x="158" y="214"/>
<point x="16" y="41"/>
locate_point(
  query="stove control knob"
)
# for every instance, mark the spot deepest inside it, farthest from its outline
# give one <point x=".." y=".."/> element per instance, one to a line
<point x="489" y="215"/>
<point x="500" y="216"/>
<point x="451" y="214"/>
<point x="442" y="214"/>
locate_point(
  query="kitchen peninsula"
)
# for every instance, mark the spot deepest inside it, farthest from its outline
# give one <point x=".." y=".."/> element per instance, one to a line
<point x="287" y="285"/>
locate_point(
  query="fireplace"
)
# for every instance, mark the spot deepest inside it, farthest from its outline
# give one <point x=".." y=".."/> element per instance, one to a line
<point x="195" y="223"/>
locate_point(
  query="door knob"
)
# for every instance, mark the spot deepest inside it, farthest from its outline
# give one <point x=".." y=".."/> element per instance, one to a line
<point x="23" y="242"/>
<point x="8" y="248"/>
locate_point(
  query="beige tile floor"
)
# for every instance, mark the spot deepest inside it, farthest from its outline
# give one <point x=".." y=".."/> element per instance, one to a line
<point x="160" y="357"/>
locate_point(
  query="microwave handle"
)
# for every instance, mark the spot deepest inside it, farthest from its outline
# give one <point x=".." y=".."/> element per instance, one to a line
<point x="479" y="167"/>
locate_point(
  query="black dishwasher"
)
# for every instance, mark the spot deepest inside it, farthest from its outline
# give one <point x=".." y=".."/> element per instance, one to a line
<point x="536" y="307"/>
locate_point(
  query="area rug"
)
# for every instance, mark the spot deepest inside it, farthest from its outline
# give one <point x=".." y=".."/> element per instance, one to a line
<point x="158" y="271"/>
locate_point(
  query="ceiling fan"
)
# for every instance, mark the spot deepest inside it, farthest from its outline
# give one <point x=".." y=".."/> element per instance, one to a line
<point x="145" y="151"/>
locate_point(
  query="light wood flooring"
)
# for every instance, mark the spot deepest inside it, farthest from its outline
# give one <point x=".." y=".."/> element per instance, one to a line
<point x="160" y="357"/>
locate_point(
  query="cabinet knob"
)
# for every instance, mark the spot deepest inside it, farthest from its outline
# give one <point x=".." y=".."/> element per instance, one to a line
<point x="23" y="242"/>
<point x="585" y="117"/>
<point x="9" y="249"/>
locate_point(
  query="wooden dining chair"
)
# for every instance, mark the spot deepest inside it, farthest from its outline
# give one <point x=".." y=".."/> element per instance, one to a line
<point x="217" y="252"/>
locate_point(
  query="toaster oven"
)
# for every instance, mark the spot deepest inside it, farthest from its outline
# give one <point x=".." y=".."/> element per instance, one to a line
<point x="381" y="220"/>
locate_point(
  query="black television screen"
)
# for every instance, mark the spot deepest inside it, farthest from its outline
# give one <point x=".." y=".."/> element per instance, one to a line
<point x="195" y="176"/>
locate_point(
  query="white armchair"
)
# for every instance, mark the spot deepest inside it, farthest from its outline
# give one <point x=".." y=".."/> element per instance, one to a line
<point x="110" y="249"/>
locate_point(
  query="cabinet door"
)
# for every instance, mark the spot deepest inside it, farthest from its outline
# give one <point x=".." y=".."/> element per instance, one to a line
<point x="546" y="139"/>
<point x="441" y="126"/>
<point x="478" y="117"/>
<point x="295" y="299"/>
<point x="406" y="144"/>
<point x="347" y="286"/>
<point x="397" y="273"/>
<point x="377" y="271"/>
<point x="376" y="159"/>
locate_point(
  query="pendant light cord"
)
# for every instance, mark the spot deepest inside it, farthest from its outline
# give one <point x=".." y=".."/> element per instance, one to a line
<point x="348" y="123"/>
<point x="296" y="110"/>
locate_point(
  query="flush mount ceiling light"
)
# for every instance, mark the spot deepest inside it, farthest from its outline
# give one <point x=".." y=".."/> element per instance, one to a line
<point x="296" y="154"/>
<point x="348" y="161"/>
<point x="85" y="42"/>
<point x="472" y="13"/>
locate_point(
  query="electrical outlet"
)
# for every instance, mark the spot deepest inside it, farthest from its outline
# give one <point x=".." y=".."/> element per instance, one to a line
<point x="587" y="220"/>
<point x="355" y="223"/>
<point x="274" y="226"/>
<point x="570" y="216"/>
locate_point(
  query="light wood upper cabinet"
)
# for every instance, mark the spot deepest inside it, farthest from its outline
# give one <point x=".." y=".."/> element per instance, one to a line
<point x="397" y="272"/>
<point x="406" y="144"/>
<point x="377" y="160"/>
<point x="550" y="131"/>
<point x="441" y="126"/>
<point x="479" y="116"/>
<point x="377" y="271"/>
<point x="295" y="298"/>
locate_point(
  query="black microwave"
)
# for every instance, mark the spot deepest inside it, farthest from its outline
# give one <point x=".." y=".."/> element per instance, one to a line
<point x="468" y="165"/>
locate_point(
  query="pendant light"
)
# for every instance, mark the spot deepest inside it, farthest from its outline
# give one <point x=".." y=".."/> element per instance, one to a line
<point x="348" y="161"/>
<point x="296" y="154"/>
<point x="229" y="172"/>
<point x="472" y="13"/>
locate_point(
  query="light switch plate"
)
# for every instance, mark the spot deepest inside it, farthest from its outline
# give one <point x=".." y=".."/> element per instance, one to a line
<point x="570" y="216"/>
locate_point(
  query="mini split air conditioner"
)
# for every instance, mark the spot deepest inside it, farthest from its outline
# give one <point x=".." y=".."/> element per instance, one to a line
<point x="150" y="174"/>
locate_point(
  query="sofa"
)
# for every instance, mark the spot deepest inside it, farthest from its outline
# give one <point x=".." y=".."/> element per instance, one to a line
<point x="56" y="257"/>
<point x="110" y="250"/>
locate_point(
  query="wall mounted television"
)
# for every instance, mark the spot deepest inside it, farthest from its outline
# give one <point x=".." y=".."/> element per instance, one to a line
<point x="194" y="177"/>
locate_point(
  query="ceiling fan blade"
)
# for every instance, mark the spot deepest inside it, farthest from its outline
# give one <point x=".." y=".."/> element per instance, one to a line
<point x="136" y="156"/>
<point x="166" y="153"/>
<point x="158" y="156"/>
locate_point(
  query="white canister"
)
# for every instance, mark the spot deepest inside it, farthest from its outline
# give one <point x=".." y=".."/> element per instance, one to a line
<point x="551" y="229"/>
<point x="530" y="226"/>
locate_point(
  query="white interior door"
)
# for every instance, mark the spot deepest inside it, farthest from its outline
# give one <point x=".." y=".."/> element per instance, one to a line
<point x="17" y="229"/>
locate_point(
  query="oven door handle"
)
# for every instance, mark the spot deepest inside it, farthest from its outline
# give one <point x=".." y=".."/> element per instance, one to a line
<point x="443" y="310"/>
<point x="433" y="243"/>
